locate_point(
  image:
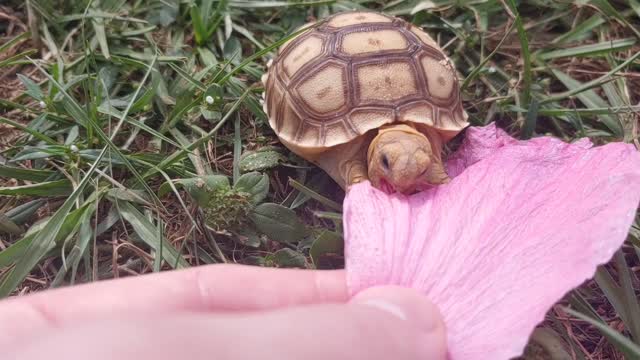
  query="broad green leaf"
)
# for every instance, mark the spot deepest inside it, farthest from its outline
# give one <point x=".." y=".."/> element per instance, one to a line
<point x="278" y="222"/>
<point x="287" y="258"/>
<point x="328" y="243"/>
<point x="233" y="50"/>
<point x="32" y="88"/>
<point x="199" y="188"/>
<point x="260" y="160"/>
<point x="247" y="236"/>
<point x="254" y="183"/>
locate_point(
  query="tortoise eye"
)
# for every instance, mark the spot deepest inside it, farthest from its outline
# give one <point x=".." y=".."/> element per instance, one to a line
<point x="385" y="162"/>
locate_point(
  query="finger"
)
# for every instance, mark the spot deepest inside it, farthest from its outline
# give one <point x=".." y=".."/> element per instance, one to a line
<point x="379" y="324"/>
<point x="204" y="288"/>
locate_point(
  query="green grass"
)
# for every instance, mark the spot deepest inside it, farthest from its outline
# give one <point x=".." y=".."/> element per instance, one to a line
<point x="108" y="146"/>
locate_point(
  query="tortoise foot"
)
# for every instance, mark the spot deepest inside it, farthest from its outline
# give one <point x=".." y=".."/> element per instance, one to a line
<point x="356" y="172"/>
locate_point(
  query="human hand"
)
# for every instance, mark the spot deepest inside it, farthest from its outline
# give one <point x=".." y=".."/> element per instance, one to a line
<point x="224" y="312"/>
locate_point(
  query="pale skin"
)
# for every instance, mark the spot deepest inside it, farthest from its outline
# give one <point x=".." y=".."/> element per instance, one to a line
<point x="227" y="312"/>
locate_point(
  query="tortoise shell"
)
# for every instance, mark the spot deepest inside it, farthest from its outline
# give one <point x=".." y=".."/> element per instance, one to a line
<point x="355" y="72"/>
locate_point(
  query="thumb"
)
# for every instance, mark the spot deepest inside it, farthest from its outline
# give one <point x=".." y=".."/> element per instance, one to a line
<point x="420" y="318"/>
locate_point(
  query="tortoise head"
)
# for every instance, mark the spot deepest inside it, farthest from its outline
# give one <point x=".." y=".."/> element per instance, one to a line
<point x="401" y="159"/>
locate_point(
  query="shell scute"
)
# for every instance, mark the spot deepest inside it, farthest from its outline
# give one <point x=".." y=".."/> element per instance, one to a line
<point x="364" y="17"/>
<point x="310" y="48"/>
<point x="440" y="78"/>
<point x="418" y="112"/>
<point x="386" y="81"/>
<point x="364" y="119"/>
<point x="337" y="133"/>
<point x="325" y="90"/>
<point x="366" y="41"/>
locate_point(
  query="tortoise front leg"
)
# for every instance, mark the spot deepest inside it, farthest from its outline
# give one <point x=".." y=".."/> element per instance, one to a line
<point x="355" y="171"/>
<point x="346" y="163"/>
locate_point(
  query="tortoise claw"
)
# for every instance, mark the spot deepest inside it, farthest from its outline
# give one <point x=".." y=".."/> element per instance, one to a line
<point x="356" y="172"/>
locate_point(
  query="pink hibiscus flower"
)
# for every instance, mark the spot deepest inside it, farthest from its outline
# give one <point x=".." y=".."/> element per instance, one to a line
<point x="520" y="225"/>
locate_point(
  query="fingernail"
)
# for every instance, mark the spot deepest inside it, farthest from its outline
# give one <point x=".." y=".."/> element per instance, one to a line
<point x="386" y="306"/>
<point x="403" y="303"/>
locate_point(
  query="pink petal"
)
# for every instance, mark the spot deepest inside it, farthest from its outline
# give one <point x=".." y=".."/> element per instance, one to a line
<point x="521" y="224"/>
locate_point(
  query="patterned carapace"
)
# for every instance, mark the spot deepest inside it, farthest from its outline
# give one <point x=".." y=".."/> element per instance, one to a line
<point x="355" y="72"/>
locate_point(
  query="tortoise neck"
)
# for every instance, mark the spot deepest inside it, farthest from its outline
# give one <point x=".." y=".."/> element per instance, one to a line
<point x="404" y="127"/>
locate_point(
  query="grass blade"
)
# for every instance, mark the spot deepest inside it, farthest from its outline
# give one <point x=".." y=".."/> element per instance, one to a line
<point x="43" y="241"/>
<point x="147" y="233"/>
<point x="476" y="70"/>
<point x="98" y="27"/>
<point x="237" y="149"/>
<point x="626" y="346"/>
<point x="11" y="60"/>
<point x="591" y="50"/>
<point x="50" y="188"/>
<point x="83" y="117"/>
<point x="592" y="100"/>
<point x="6" y="46"/>
<point x="526" y="55"/>
<point x="629" y="298"/>
<point x="314" y="195"/>
<point x="25" y="174"/>
<point x="29" y="131"/>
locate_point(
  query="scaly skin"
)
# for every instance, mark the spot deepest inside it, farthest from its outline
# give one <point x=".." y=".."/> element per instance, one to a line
<point x="402" y="159"/>
<point x="413" y="160"/>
